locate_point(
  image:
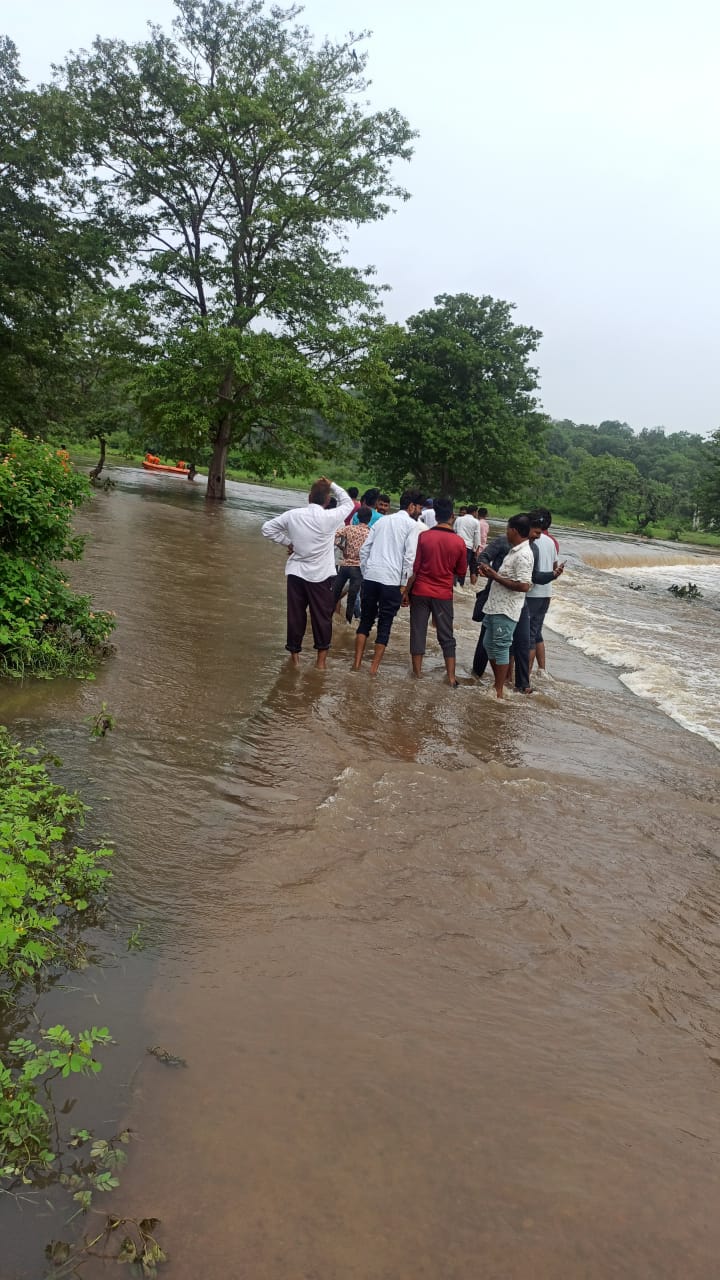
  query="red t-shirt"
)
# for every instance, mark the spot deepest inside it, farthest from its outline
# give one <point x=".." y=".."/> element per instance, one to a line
<point x="440" y="556"/>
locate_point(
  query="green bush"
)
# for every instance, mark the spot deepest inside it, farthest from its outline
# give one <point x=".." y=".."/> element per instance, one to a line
<point x="46" y="880"/>
<point x="45" y="628"/>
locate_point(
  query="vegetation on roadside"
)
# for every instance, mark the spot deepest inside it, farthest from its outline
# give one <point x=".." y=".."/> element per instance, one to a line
<point x="46" y="628"/>
<point x="50" y="888"/>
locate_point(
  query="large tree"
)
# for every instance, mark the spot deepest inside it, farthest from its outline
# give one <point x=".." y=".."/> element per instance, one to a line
<point x="241" y="152"/>
<point x="451" y="399"/>
<point x="709" y="497"/>
<point x="52" y="241"/>
<point x="603" y="487"/>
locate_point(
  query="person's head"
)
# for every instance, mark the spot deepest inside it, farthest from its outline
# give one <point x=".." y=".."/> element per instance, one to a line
<point x="320" y="493"/>
<point x="429" y="504"/>
<point x="331" y="504"/>
<point x="536" y="525"/>
<point x="537" y="522"/>
<point x="444" y="510"/>
<point x="370" y="497"/>
<point x="462" y="511"/>
<point x="482" y="513"/>
<point x="543" y="516"/>
<point x="364" y="515"/>
<point x="518" y="530"/>
<point x="353" y="492"/>
<point x="472" y="511"/>
<point x="383" y="503"/>
<point x="412" y="501"/>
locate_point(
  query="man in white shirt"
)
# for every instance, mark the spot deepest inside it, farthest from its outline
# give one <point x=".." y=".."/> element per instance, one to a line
<point x="507" y="596"/>
<point x="484" y="527"/>
<point x="539" y="595"/>
<point x="427" y="515"/>
<point x="468" y="528"/>
<point x="386" y="560"/>
<point x="309" y="534"/>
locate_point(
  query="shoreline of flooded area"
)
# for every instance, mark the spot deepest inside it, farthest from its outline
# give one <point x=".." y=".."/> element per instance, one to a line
<point x="444" y="971"/>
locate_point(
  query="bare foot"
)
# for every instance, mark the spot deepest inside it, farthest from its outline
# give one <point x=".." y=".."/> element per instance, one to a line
<point x="294" y="659"/>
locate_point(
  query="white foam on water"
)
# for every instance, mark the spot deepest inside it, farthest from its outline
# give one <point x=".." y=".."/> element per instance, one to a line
<point x="665" y="649"/>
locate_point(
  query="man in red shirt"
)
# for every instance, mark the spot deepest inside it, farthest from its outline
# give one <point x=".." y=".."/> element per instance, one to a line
<point x="441" y="555"/>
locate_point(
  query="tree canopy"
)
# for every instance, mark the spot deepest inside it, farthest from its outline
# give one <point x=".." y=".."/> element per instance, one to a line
<point x="238" y="153"/>
<point x="451" y="398"/>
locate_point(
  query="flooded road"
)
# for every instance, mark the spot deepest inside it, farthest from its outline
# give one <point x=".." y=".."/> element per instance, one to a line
<point x="446" y="973"/>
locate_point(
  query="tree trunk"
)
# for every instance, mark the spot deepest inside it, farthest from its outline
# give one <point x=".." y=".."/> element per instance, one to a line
<point x="216" y="473"/>
<point x="95" y="473"/>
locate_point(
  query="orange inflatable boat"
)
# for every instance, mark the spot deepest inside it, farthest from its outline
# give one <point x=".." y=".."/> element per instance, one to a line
<point x="151" y="463"/>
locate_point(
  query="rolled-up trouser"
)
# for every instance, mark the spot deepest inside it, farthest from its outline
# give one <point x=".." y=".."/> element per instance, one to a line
<point x="520" y="649"/>
<point x="318" y="598"/>
<point x="379" y="603"/>
<point x="421" y="607"/>
<point x="353" y="576"/>
<point x="537" y="608"/>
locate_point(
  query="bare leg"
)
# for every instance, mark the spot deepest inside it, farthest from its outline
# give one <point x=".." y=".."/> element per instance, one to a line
<point x="500" y="671"/>
<point x="450" y="668"/>
<point x="540" y="655"/>
<point x="417" y="659"/>
<point x="321" y="659"/>
<point x="510" y="671"/>
<point x="360" y="642"/>
<point x="294" y="659"/>
<point x="531" y="663"/>
<point x="377" y="658"/>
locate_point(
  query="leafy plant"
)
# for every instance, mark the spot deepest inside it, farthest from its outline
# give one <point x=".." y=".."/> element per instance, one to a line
<point x="45" y="628"/>
<point x="689" y="591"/>
<point x="25" y="1124"/>
<point x="47" y="881"/>
<point x="101" y="723"/>
<point x="138" y="1247"/>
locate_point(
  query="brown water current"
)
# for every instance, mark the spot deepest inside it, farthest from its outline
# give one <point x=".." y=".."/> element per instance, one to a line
<point x="446" y="973"/>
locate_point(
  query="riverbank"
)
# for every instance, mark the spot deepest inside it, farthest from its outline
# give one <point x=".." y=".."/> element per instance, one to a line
<point x="83" y="457"/>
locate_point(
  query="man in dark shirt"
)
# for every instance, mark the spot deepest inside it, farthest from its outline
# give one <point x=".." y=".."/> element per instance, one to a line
<point x="440" y="556"/>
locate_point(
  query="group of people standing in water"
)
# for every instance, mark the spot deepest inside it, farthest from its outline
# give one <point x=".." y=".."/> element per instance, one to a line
<point x="415" y="558"/>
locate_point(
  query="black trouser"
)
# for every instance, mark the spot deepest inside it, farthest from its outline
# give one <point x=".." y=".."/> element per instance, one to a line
<point x="480" y="659"/>
<point x="472" y="566"/>
<point x="520" y="650"/>
<point x="537" y="608"/>
<point x="421" y="607"/>
<point x="379" y="603"/>
<point x="353" y="576"/>
<point x="318" y="598"/>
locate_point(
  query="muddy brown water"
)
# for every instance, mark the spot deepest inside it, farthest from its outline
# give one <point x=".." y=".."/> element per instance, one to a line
<point x="445" y="973"/>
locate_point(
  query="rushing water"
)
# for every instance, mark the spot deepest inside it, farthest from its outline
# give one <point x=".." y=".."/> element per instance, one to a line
<point x="445" y="971"/>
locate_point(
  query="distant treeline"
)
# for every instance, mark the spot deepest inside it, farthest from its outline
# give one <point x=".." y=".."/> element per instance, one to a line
<point x="610" y="474"/>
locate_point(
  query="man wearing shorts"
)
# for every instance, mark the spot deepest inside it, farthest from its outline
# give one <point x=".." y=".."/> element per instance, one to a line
<point x="505" y="600"/>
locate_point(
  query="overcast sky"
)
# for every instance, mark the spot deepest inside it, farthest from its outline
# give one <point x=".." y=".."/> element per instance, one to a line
<point x="567" y="162"/>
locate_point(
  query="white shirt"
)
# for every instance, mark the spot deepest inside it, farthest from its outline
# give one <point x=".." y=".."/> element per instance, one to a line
<point x="428" y="518"/>
<point x="388" y="555"/>
<point x="518" y="565"/>
<point x="311" y="530"/>
<point x="468" y="529"/>
<point x="547" y="555"/>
